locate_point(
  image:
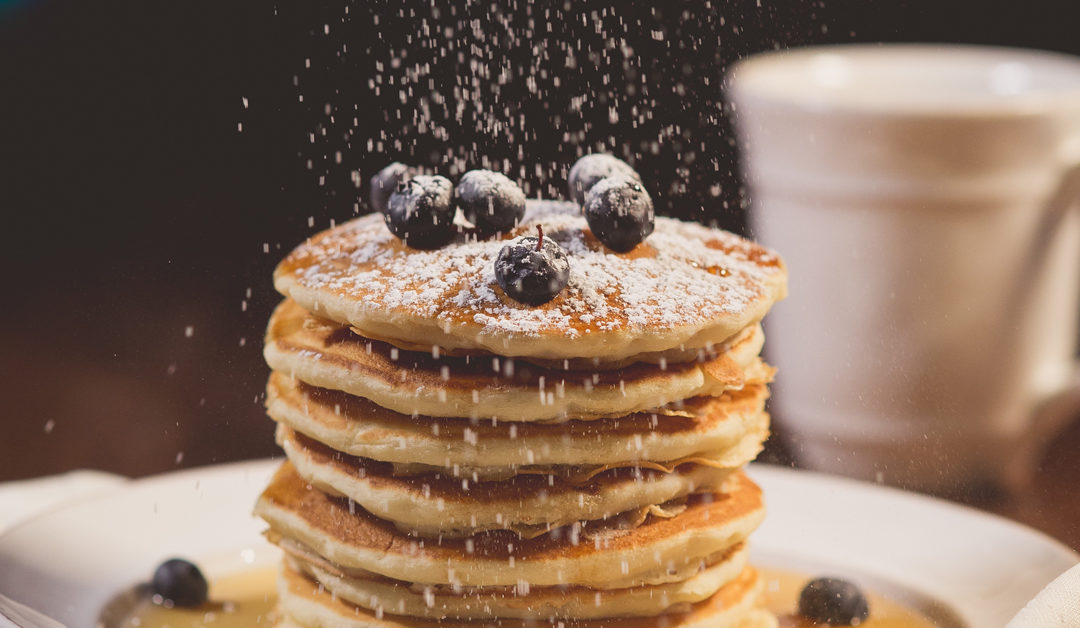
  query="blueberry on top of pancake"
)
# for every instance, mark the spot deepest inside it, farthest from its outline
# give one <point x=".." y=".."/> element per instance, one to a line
<point x="687" y="286"/>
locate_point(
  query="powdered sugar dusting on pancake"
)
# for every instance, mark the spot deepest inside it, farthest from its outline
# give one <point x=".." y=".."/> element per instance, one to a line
<point x="684" y="274"/>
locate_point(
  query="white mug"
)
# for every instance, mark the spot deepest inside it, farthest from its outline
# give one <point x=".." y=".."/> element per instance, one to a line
<point x="924" y="198"/>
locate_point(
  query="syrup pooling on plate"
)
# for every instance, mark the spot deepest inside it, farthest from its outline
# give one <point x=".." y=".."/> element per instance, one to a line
<point x="239" y="600"/>
<point x="782" y="590"/>
<point x="251" y="597"/>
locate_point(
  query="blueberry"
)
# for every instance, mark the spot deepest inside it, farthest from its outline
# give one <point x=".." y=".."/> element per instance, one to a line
<point x="180" y="582"/>
<point x="619" y="212"/>
<point x="590" y="169"/>
<point x="833" y="601"/>
<point x="491" y="201"/>
<point x="421" y="212"/>
<point x="385" y="182"/>
<point x="531" y="269"/>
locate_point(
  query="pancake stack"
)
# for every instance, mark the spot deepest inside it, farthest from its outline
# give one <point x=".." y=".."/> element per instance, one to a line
<point x="458" y="458"/>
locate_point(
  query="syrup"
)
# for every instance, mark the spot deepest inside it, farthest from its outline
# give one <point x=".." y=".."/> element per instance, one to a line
<point x="782" y="589"/>
<point x="247" y="599"/>
<point x="239" y="600"/>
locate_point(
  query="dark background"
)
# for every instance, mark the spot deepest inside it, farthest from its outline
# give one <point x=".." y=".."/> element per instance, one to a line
<point x="158" y="158"/>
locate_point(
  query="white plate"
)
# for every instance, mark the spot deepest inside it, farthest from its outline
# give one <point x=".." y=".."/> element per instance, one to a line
<point x="979" y="568"/>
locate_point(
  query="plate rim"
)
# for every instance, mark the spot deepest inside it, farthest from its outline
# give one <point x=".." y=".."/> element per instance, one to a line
<point x="766" y="474"/>
<point x="920" y="500"/>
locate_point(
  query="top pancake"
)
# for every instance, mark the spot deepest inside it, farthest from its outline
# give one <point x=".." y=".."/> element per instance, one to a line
<point x="685" y="286"/>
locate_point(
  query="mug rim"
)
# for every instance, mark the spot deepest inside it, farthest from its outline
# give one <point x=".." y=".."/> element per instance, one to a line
<point x="825" y="80"/>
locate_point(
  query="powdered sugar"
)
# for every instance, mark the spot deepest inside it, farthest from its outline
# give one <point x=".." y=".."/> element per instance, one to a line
<point x="682" y="275"/>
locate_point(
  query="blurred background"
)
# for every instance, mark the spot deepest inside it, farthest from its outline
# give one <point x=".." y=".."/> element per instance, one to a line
<point x="158" y="158"/>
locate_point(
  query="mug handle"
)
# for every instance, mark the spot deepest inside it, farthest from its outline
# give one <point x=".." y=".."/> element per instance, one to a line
<point x="1059" y="407"/>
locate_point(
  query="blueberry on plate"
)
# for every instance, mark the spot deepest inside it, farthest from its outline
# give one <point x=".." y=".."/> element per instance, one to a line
<point x="590" y="169"/>
<point x="493" y="202"/>
<point x="180" y="582"/>
<point x="833" y="601"/>
<point x="385" y="182"/>
<point x="532" y="269"/>
<point x="619" y="212"/>
<point x="421" y="211"/>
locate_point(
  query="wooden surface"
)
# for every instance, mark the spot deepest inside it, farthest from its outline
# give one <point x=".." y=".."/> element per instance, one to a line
<point x="1052" y="502"/>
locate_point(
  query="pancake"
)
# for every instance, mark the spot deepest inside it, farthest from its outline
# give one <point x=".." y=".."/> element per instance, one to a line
<point x="434" y="504"/>
<point x="685" y="286"/>
<point x="297" y="550"/>
<point x="327" y="355"/>
<point x="598" y="556"/>
<point x="522" y="602"/>
<point x="358" y="427"/>
<point x="671" y="356"/>
<point x="305" y="603"/>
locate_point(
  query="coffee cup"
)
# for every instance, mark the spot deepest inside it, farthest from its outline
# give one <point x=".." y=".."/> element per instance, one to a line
<point x="925" y="199"/>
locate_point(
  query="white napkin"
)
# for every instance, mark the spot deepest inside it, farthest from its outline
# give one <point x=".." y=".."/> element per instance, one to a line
<point x="15" y="615"/>
<point x="23" y="499"/>
<point x="1056" y="606"/>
